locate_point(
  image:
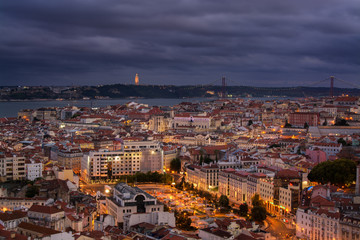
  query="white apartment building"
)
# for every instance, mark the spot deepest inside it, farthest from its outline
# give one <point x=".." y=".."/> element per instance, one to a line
<point x="238" y="186"/>
<point x="317" y="224"/>
<point x="267" y="192"/>
<point x="205" y="177"/>
<point x="286" y="197"/>
<point x="134" y="157"/>
<point x="170" y="152"/>
<point x="224" y="181"/>
<point x="33" y="170"/>
<point x="241" y="186"/>
<point x="253" y="185"/>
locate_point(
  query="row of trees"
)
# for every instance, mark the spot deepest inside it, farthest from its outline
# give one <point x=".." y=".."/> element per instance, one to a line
<point x="147" y="177"/>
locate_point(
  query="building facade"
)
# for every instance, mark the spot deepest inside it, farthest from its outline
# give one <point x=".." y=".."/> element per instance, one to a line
<point x="70" y="158"/>
<point x="128" y="200"/>
<point x="12" y="167"/>
<point x="300" y="118"/>
<point x="142" y="156"/>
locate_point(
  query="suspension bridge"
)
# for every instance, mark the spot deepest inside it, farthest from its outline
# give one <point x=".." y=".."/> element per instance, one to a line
<point x="224" y="84"/>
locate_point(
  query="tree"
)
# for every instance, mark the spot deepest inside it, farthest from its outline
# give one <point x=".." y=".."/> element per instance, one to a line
<point x="342" y="142"/>
<point x="258" y="213"/>
<point x="224" y="201"/>
<point x="208" y="160"/>
<point x="244" y="209"/>
<point x="32" y="191"/>
<point x="250" y="122"/>
<point x="166" y="208"/>
<point x="306" y="125"/>
<point x="175" y="165"/>
<point x="341" y="122"/>
<point x="274" y="145"/>
<point x="201" y="160"/>
<point x="339" y="172"/>
<point x="257" y="201"/>
<point x="183" y="221"/>
<point x="287" y="124"/>
<point x="325" y="123"/>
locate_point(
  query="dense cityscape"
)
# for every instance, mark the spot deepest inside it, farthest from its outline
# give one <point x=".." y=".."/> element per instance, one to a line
<point x="179" y="120"/>
<point x="228" y="168"/>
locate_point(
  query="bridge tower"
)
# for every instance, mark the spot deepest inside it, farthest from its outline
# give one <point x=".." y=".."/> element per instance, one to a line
<point x="223" y="87"/>
<point x="332" y="86"/>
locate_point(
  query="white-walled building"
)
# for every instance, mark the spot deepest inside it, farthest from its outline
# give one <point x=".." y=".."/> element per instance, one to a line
<point x="317" y="224"/>
<point x="188" y="120"/>
<point x="103" y="221"/>
<point x="134" y="157"/>
<point x="155" y="218"/>
<point x="33" y="170"/>
<point x="205" y="177"/>
<point x="128" y="200"/>
<point x="241" y="186"/>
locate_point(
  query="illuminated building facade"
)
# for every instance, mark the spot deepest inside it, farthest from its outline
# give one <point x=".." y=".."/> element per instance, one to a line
<point x="134" y="157"/>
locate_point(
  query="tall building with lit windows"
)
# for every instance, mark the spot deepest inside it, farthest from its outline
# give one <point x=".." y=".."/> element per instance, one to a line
<point x="135" y="156"/>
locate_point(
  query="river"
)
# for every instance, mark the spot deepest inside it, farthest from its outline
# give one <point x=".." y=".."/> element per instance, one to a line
<point x="10" y="109"/>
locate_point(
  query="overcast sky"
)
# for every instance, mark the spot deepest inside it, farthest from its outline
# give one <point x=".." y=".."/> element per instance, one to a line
<point x="251" y="42"/>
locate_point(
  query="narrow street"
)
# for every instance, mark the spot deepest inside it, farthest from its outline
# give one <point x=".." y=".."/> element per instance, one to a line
<point x="278" y="229"/>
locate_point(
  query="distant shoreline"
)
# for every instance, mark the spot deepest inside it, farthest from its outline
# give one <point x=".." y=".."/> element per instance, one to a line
<point x="95" y="99"/>
<point x="11" y="108"/>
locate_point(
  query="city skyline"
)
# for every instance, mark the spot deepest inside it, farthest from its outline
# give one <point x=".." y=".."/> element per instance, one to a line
<point x="187" y="42"/>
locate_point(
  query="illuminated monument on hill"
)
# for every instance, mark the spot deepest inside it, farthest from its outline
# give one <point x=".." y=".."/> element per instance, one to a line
<point x="137" y="79"/>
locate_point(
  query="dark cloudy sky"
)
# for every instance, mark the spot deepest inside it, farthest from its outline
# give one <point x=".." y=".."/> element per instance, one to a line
<point x="252" y="42"/>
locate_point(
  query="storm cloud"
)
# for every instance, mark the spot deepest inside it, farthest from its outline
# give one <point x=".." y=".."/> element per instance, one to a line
<point x="258" y="42"/>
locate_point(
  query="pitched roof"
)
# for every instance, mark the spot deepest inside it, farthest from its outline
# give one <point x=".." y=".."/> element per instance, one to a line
<point x="35" y="228"/>
<point x="8" y="216"/>
<point x="45" y="209"/>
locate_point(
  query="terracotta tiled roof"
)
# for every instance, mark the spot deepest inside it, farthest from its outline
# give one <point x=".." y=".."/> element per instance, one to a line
<point x="7" y="235"/>
<point x="45" y="209"/>
<point x="286" y="173"/>
<point x="35" y="228"/>
<point x="8" y="216"/>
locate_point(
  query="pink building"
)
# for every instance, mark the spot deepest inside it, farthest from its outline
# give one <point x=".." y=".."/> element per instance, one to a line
<point x="316" y="155"/>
